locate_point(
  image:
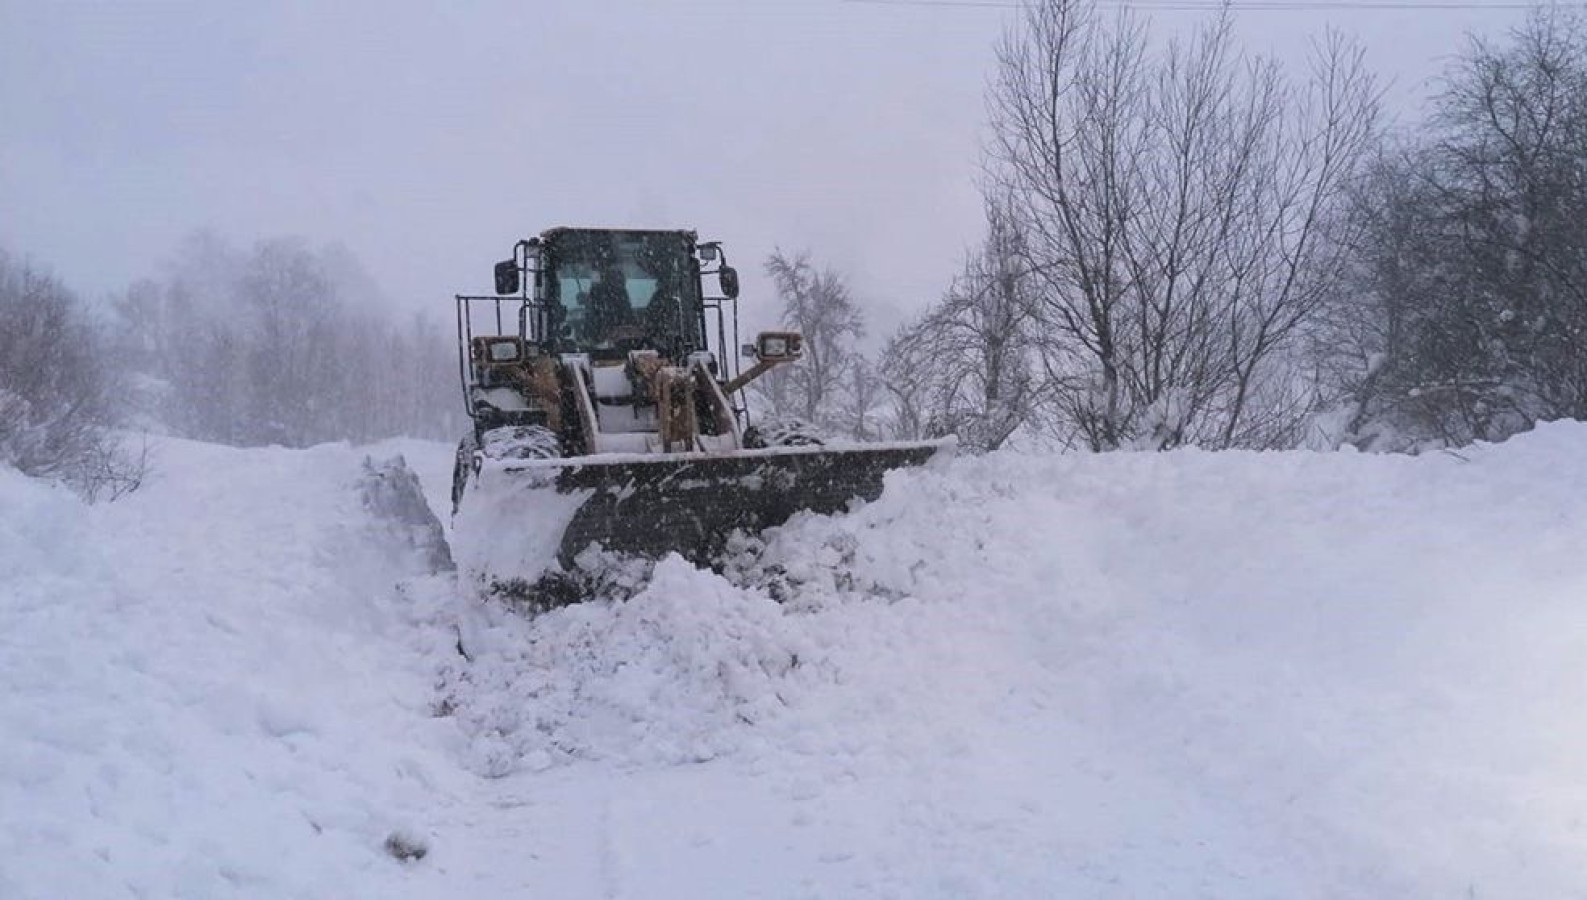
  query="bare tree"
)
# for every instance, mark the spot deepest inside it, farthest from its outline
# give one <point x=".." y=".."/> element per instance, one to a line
<point x="861" y="413"/>
<point x="816" y="303"/>
<point x="964" y="367"/>
<point x="1362" y="343"/>
<point x="1468" y="314"/>
<point x="58" y="402"/>
<point x="1181" y="212"/>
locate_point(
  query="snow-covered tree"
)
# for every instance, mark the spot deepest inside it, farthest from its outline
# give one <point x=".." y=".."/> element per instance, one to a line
<point x="816" y="303"/>
<point x="59" y="398"/>
<point x="1180" y="205"/>
<point x="1468" y="314"/>
<point x="965" y="366"/>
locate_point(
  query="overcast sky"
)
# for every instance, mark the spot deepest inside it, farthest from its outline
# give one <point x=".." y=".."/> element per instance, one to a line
<point x="428" y="137"/>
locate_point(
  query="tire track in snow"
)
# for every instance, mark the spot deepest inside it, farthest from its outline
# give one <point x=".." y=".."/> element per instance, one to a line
<point x="609" y="857"/>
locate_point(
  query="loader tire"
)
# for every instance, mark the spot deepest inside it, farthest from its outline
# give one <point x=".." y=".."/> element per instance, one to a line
<point x="782" y="433"/>
<point x="521" y="442"/>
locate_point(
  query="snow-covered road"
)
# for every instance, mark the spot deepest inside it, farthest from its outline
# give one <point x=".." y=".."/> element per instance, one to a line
<point x="1139" y="675"/>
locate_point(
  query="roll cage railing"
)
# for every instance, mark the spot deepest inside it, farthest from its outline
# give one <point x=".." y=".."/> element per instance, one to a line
<point x="533" y="314"/>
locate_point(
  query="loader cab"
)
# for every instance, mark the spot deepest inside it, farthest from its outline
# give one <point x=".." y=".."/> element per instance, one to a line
<point x="610" y="338"/>
<point x="606" y="293"/>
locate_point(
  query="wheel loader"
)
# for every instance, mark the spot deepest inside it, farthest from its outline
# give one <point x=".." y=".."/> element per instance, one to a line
<point x="606" y="391"/>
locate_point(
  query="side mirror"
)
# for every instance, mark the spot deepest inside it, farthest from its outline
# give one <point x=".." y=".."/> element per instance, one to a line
<point x="507" y="281"/>
<point x="709" y="252"/>
<point x="728" y="277"/>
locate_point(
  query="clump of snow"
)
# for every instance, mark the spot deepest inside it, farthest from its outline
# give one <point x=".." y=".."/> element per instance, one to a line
<point x="406" y="846"/>
<point x="395" y="500"/>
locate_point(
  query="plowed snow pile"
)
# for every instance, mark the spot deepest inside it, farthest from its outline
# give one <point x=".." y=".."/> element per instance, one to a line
<point x="209" y="688"/>
<point x="1170" y="675"/>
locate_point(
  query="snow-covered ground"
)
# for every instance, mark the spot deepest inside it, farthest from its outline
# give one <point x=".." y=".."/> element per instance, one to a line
<point x="1136" y="675"/>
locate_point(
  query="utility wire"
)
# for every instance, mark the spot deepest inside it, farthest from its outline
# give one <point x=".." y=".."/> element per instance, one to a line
<point x="1254" y="5"/>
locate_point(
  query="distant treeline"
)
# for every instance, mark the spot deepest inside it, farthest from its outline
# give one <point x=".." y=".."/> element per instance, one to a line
<point x="282" y="343"/>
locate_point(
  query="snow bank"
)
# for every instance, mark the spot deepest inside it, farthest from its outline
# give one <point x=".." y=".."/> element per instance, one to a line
<point x="1140" y="674"/>
<point x="209" y="688"/>
<point x="1159" y="675"/>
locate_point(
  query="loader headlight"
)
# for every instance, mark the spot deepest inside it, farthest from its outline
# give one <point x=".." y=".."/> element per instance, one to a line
<point x="779" y="345"/>
<point x="503" y="351"/>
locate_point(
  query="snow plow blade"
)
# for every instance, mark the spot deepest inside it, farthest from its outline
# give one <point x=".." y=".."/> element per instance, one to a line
<point x="540" y="515"/>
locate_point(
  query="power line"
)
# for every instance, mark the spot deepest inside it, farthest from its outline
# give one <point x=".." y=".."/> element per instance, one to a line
<point x="1253" y="5"/>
